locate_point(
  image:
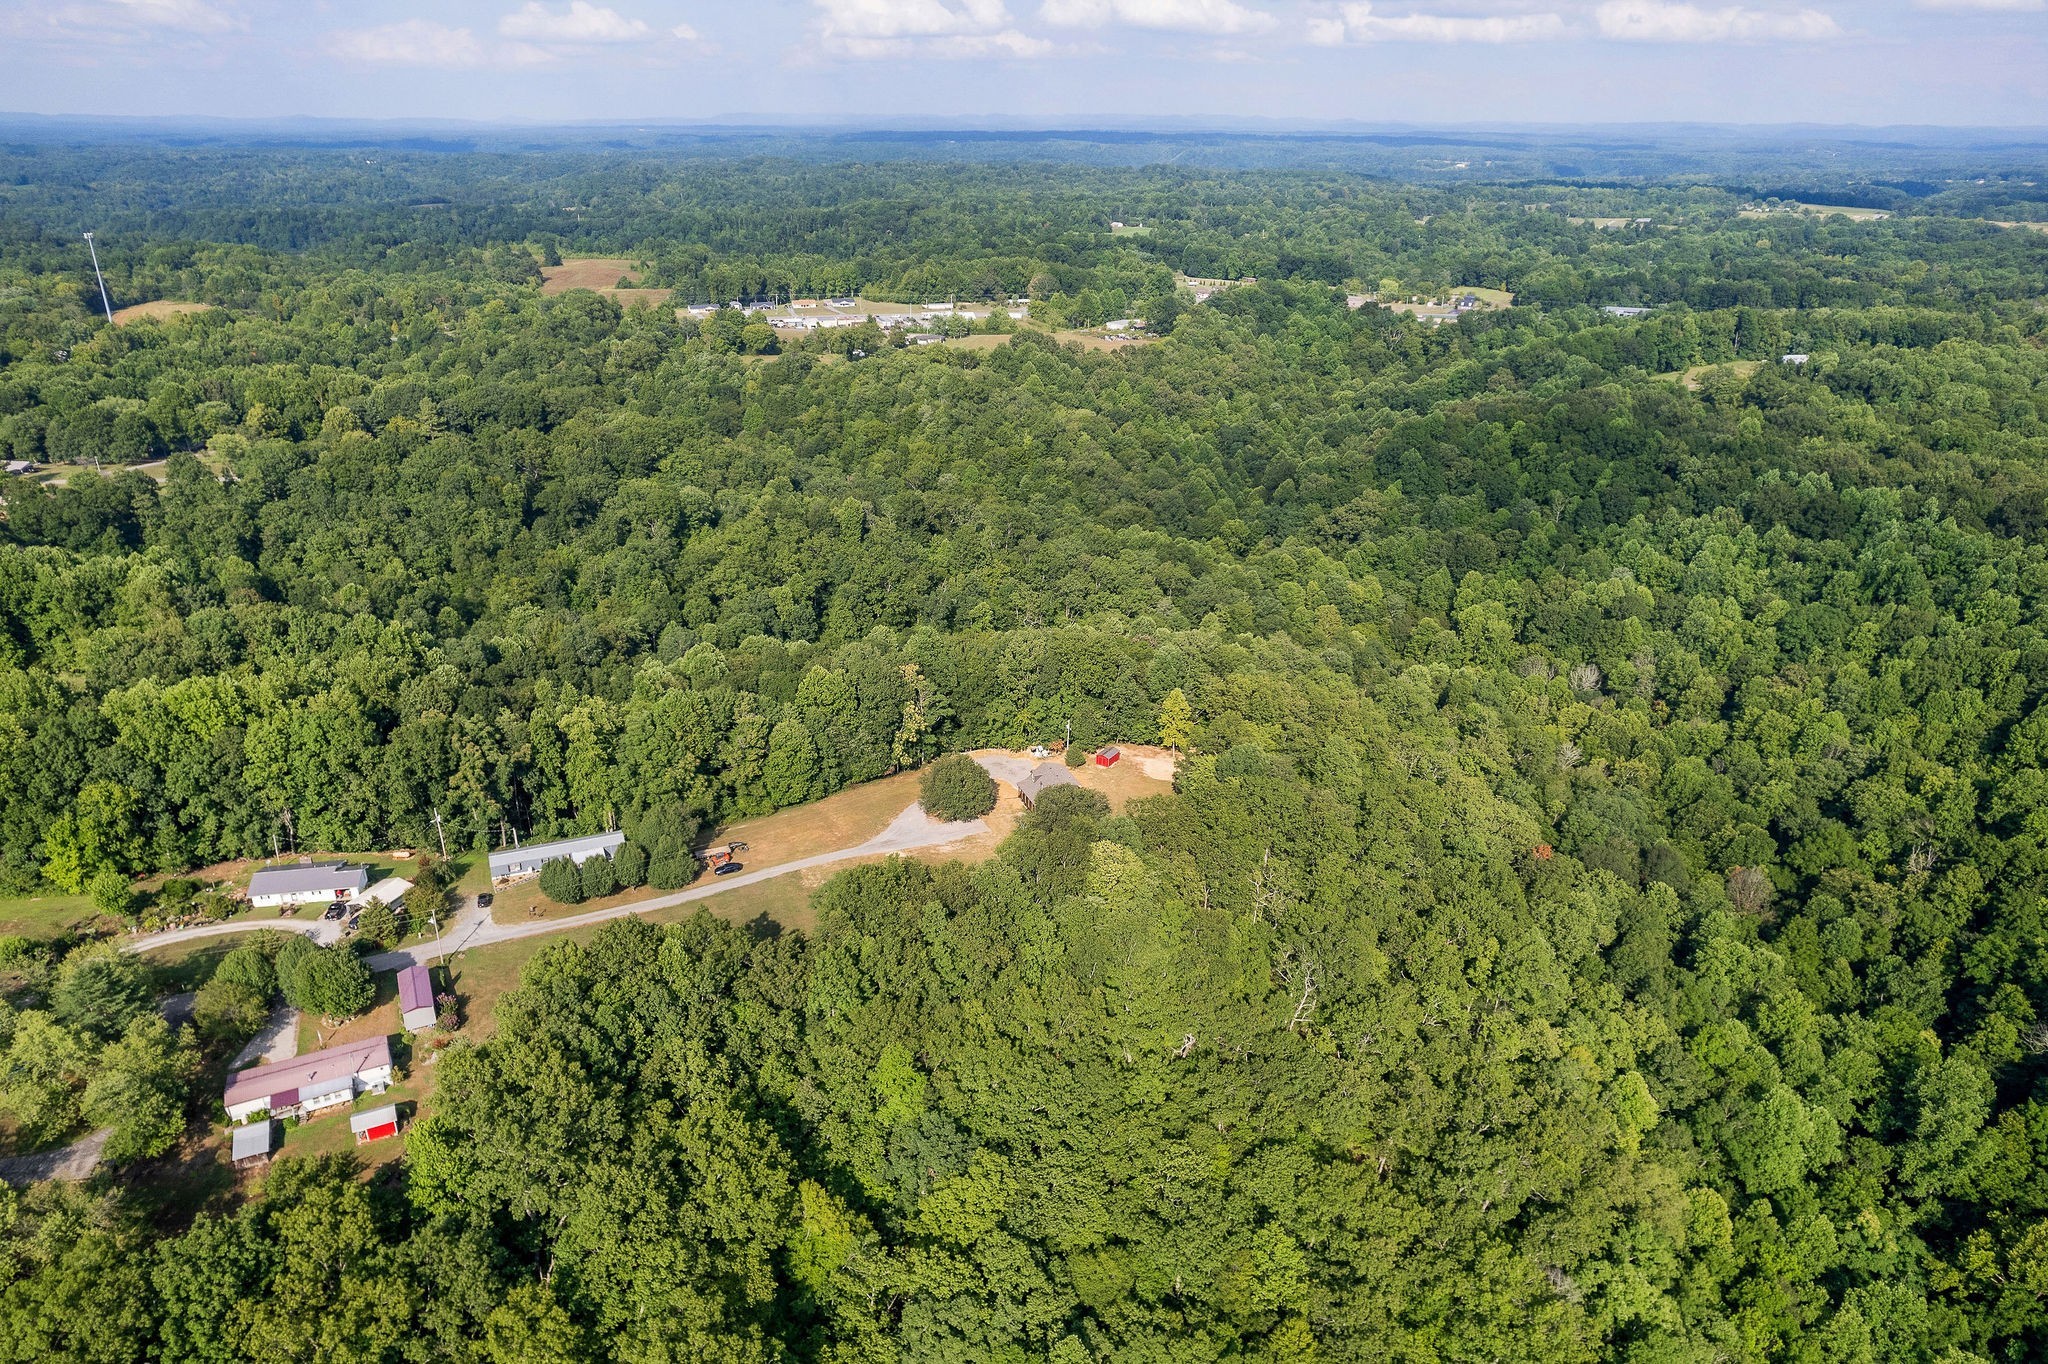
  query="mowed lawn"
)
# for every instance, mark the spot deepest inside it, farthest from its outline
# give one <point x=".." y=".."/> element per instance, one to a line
<point x="46" y="916"/>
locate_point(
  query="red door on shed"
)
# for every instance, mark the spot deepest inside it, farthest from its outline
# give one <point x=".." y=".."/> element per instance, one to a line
<point x="380" y="1131"/>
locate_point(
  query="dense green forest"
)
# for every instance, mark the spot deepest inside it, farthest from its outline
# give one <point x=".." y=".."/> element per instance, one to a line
<point x="1601" y="918"/>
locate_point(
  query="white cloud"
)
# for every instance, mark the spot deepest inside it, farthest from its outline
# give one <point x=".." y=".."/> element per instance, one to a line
<point x="1986" y="6"/>
<point x="192" y="16"/>
<point x="411" y="42"/>
<point x="581" y="23"/>
<point x="1655" y="21"/>
<point x="868" y="30"/>
<point x="1359" y="23"/>
<point x="1178" y="16"/>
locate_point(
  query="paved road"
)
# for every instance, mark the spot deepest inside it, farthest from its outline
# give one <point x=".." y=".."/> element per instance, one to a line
<point x="473" y="927"/>
<point x="911" y="830"/>
<point x="75" y="1161"/>
<point x="319" y="930"/>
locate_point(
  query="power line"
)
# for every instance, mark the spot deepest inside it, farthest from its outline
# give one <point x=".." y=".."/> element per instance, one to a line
<point x="105" y="302"/>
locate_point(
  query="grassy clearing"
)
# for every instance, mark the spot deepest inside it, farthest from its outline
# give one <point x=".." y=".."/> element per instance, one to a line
<point x="1099" y="341"/>
<point x="985" y="341"/>
<point x="1126" y="230"/>
<point x="1861" y="215"/>
<point x="1697" y="376"/>
<point x="46" y="916"/>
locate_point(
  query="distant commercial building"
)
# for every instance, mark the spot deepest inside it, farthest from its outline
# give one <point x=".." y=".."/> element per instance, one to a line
<point x="312" y="1083"/>
<point x="307" y="885"/>
<point x="510" y="863"/>
<point x="416" y="999"/>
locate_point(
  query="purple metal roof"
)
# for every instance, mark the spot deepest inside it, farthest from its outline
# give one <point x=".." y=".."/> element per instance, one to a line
<point x="415" y="990"/>
<point x="274" y="1081"/>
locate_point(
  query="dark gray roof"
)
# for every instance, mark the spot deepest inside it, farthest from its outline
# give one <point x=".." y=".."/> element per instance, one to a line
<point x="321" y="876"/>
<point x="1045" y="775"/>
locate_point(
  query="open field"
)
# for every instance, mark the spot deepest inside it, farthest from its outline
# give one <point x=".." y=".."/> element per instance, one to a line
<point x="1697" y="375"/>
<point x="1128" y="230"/>
<point x="1104" y="341"/>
<point x="1861" y="215"/>
<point x="45" y="916"/>
<point x="158" y="309"/>
<point x="2031" y="227"/>
<point x="600" y="274"/>
<point x="986" y="341"/>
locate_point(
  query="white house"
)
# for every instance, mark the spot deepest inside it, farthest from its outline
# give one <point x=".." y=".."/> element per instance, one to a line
<point x="306" y="885"/>
<point x="312" y="1083"/>
<point x="508" y="863"/>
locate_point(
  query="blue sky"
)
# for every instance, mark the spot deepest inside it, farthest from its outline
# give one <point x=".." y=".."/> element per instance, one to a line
<point x="1751" y="61"/>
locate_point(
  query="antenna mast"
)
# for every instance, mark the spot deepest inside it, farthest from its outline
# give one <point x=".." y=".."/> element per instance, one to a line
<point x="104" y="301"/>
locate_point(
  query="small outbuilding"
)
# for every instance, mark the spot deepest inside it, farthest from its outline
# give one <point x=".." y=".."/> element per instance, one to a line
<point x="253" y="1142"/>
<point x="1108" y="757"/>
<point x="1041" y="779"/>
<point x="374" y="1124"/>
<point x="1795" y="358"/>
<point x="511" y="863"/>
<point x="388" y="891"/>
<point x="416" y="999"/>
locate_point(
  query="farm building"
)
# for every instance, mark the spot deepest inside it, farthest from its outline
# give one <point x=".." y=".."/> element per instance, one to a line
<point x="387" y="892"/>
<point x="416" y="998"/>
<point x="312" y="1083"/>
<point x="253" y="1142"/>
<point x="374" y="1124"/>
<point x="308" y="884"/>
<point x="1108" y="757"/>
<point x="509" y="863"/>
<point x="1041" y="779"/>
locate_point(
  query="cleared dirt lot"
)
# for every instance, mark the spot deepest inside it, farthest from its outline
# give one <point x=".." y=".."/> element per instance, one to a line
<point x="600" y="274"/>
<point x="159" y="309"/>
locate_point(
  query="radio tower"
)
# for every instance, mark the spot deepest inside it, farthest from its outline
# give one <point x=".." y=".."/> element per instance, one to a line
<point x="104" y="301"/>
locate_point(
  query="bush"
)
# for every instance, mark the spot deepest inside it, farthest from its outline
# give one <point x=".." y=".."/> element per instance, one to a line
<point x="630" y="862"/>
<point x="378" y="927"/>
<point x="111" y="893"/>
<point x="671" y="869"/>
<point x="955" y="787"/>
<point x="329" y="981"/>
<point x="249" y="968"/>
<point x="562" y="882"/>
<point x="599" y="878"/>
<point x="1076" y="756"/>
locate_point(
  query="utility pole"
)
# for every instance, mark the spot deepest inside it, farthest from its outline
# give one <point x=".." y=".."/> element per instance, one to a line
<point x="104" y="301"/>
<point x="440" y="835"/>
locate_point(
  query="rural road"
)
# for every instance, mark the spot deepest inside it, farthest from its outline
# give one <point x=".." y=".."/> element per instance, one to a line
<point x="75" y="1161"/>
<point x="909" y="831"/>
<point x="473" y="927"/>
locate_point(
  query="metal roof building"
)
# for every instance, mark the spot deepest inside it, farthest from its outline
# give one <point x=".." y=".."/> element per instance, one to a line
<point x="1042" y="778"/>
<point x="317" y="1080"/>
<point x="416" y="998"/>
<point x="374" y="1124"/>
<point x="388" y="891"/>
<point x="254" y="1141"/>
<point x="510" y="862"/>
<point x="307" y="884"/>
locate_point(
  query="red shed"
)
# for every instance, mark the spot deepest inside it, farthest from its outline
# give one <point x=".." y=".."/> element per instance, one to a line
<point x="1107" y="757"/>
<point x="374" y="1124"/>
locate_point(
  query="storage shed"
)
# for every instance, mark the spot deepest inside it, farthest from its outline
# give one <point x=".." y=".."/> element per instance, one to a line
<point x="388" y="891"/>
<point x="510" y="863"/>
<point x="374" y="1124"/>
<point x="416" y="998"/>
<point x="1108" y="757"/>
<point x="253" y="1142"/>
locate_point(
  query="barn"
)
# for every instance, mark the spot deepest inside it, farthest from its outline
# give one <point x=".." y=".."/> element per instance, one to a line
<point x="374" y="1124"/>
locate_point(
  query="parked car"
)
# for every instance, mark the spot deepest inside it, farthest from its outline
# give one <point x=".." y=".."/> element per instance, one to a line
<point x="485" y="900"/>
<point x="335" y="910"/>
<point x="726" y="869"/>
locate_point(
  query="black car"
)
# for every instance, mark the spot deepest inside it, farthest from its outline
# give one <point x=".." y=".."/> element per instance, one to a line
<point x="725" y="869"/>
<point x="484" y="900"/>
<point x="335" y="910"/>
